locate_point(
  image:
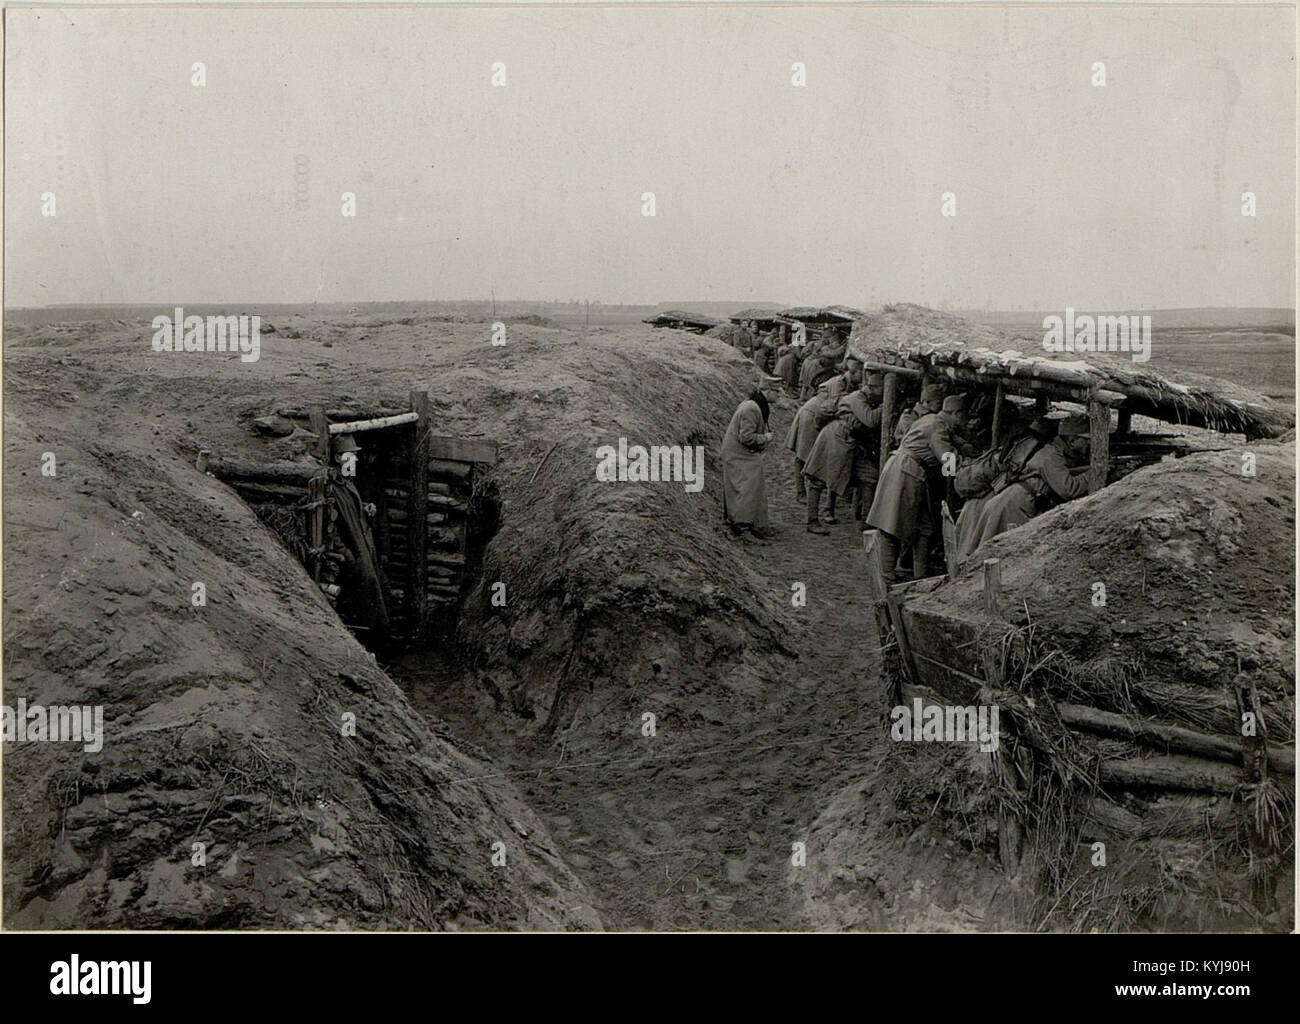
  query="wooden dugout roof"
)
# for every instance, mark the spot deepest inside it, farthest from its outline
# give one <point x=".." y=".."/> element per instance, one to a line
<point x="949" y="347"/>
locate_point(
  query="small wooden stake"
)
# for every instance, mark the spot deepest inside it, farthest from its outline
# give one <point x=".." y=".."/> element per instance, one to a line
<point x="993" y="587"/>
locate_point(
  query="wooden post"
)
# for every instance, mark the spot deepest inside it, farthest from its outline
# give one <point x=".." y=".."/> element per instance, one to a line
<point x="1041" y="404"/>
<point x="887" y="416"/>
<point x="416" y="524"/>
<point x="993" y="587"/>
<point x="997" y="416"/>
<point x="1099" y="422"/>
<point x="877" y="589"/>
<point x="1003" y="761"/>
<point x="1125" y="421"/>
<point x="323" y="451"/>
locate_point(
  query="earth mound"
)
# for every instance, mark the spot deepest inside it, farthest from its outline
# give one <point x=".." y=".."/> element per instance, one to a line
<point x="229" y="791"/>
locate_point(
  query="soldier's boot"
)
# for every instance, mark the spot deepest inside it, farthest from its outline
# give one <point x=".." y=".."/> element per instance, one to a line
<point x="866" y="498"/>
<point x="888" y="555"/>
<point x="920" y="556"/>
<point x="800" y="490"/>
<point x="829" y="517"/>
<point x="815" y="488"/>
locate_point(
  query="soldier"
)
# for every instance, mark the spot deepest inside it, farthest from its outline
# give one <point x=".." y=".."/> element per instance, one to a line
<point x="866" y="435"/>
<point x="787" y="368"/>
<point x="847" y="381"/>
<point x="845" y="453"/>
<point x="901" y="508"/>
<point x="804" y="428"/>
<point x="930" y="402"/>
<point x="744" y="489"/>
<point x="816" y="368"/>
<point x="1040" y="471"/>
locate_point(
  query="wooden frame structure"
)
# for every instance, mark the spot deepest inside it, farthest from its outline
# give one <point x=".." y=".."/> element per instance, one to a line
<point x="421" y="497"/>
<point x="1098" y="401"/>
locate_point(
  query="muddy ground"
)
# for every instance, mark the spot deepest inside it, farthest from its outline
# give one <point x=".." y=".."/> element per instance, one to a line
<point x="527" y="728"/>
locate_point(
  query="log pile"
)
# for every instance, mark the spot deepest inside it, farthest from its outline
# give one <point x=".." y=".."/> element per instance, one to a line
<point x="446" y="508"/>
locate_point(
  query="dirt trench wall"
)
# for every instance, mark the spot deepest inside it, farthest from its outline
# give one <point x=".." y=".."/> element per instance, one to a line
<point x="223" y="725"/>
<point x="611" y="585"/>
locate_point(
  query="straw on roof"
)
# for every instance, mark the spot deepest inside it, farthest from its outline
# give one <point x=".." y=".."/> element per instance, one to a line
<point x="754" y="313"/>
<point x="975" y="353"/>
<point x="821" y="313"/>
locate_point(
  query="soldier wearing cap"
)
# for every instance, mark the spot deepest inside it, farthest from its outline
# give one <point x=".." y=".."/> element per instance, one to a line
<point x="816" y="369"/>
<point x="901" y="509"/>
<point x="931" y="401"/>
<point x="866" y="436"/>
<point x="804" y="429"/>
<point x="845" y="453"/>
<point x="1040" y="471"/>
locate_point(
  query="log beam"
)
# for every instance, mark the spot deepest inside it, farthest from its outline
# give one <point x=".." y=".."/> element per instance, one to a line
<point x="417" y="528"/>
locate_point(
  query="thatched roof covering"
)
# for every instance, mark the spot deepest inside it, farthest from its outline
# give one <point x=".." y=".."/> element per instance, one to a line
<point x="977" y="355"/>
<point x="822" y="314"/>
<point x="755" y="313"/>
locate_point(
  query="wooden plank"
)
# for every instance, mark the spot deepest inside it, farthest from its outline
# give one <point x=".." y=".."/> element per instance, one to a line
<point x="379" y="423"/>
<point x="954" y="685"/>
<point x="887" y="415"/>
<point x="462" y="449"/>
<point x="448" y="469"/>
<point x="444" y="502"/>
<point x="445" y="558"/>
<point x="956" y="641"/>
<point x="1099" y="457"/>
<point x="416" y="504"/>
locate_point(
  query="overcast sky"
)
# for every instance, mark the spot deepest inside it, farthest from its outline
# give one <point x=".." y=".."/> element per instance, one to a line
<point x="1112" y="198"/>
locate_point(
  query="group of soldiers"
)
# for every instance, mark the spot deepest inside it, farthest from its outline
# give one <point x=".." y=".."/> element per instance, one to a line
<point x="941" y="460"/>
<point x="800" y="366"/>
